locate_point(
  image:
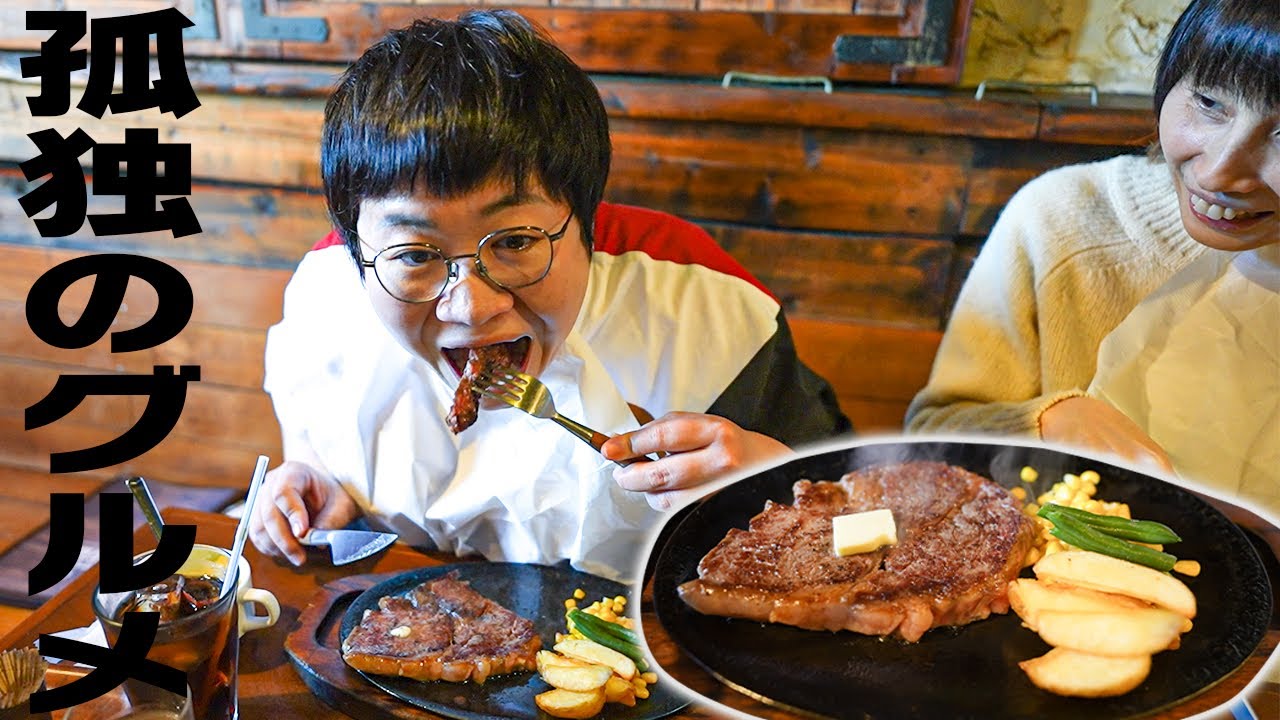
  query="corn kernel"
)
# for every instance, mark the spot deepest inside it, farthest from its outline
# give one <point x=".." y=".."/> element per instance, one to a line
<point x="620" y="601"/>
<point x="1019" y="494"/>
<point x="1071" y="481"/>
<point x="1190" y="568"/>
<point x="649" y="677"/>
<point x="1090" y="477"/>
<point x="1028" y="474"/>
<point x="579" y="594"/>
<point x="570" y="604"/>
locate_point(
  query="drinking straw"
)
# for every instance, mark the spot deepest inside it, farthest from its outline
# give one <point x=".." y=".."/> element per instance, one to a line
<point x="242" y="530"/>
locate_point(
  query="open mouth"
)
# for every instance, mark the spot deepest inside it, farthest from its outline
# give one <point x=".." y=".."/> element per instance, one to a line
<point x="1224" y="217"/>
<point x="471" y="364"/>
<point x="514" y="353"/>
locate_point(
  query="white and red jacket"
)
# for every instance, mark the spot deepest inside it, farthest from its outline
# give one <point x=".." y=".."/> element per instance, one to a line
<point x="669" y="322"/>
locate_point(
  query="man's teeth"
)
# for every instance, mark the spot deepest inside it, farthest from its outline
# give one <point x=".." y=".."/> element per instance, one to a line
<point x="1217" y="212"/>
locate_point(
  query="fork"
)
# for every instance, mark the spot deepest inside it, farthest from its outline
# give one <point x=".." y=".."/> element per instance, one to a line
<point x="526" y="392"/>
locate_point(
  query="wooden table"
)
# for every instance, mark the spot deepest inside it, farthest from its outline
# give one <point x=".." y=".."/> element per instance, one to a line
<point x="270" y="687"/>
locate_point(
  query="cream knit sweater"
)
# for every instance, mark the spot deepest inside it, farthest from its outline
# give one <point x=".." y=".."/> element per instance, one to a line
<point x="1073" y="252"/>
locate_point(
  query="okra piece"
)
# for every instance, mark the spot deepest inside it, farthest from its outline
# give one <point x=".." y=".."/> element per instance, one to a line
<point x="1076" y="533"/>
<point x="1147" y="531"/>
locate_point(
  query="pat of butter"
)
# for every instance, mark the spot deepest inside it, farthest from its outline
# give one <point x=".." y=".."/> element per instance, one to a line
<point x="863" y="532"/>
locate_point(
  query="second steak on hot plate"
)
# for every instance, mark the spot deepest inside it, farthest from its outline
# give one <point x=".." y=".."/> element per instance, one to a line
<point x="961" y="539"/>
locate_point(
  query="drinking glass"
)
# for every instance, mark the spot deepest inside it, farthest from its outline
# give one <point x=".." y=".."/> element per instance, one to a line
<point x="133" y="700"/>
<point x="205" y="645"/>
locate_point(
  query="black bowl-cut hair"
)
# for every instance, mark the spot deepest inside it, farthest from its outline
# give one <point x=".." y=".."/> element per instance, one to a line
<point x="1231" y="44"/>
<point x="447" y="106"/>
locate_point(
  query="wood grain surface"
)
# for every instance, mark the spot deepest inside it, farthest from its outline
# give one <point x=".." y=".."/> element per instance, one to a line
<point x="270" y="686"/>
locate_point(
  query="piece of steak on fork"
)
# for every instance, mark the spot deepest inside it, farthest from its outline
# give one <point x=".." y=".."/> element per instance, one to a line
<point x="961" y="539"/>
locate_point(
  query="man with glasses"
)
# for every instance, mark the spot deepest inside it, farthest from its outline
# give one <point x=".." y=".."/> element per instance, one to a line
<point x="464" y="164"/>
<point x="511" y="258"/>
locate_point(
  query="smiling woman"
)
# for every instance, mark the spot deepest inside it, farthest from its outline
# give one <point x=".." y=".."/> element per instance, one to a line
<point x="464" y="164"/>
<point x="1133" y="305"/>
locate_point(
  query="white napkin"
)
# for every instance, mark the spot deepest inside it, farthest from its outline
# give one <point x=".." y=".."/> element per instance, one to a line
<point x="91" y="634"/>
<point x="513" y="487"/>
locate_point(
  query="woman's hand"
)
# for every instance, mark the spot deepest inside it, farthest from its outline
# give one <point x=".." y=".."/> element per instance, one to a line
<point x="1092" y="423"/>
<point x="294" y="498"/>
<point x="702" y="448"/>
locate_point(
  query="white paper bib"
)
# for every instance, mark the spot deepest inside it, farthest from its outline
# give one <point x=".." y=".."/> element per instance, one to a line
<point x="514" y="487"/>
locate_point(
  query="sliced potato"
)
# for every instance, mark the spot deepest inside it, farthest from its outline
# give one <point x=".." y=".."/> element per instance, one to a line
<point x="1076" y="674"/>
<point x="1029" y="598"/>
<point x="1103" y="572"/>
<point x="546" y="658"/>
<point x="593" y="652"/>
<point x="571" y="704"/>
<point x="1115" y="633"/>
<point x="570" y="674"/>
<point x="617" y="690"/>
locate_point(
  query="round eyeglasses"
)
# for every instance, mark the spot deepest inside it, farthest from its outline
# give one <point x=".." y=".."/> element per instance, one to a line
<point x="510" y="258"/>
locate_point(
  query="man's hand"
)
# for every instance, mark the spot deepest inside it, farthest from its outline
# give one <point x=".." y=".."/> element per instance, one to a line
<point x="294" y="498"/>
<point x="701" y="448"/>
<point x="1092" y="423"/>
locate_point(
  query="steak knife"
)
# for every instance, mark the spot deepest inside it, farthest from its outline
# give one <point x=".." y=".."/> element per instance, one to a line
<point x="348" y="546"/>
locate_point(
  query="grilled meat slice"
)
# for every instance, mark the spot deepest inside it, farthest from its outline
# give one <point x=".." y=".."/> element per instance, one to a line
<point x="441" y="630"/>
<point x="466" y="398"/>
<point x="961" y="538"/>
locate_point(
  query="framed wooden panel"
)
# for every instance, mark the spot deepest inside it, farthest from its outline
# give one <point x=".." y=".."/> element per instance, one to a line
<point x="884" y="41"/>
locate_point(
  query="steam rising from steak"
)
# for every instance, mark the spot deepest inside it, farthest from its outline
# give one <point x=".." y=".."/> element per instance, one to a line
<point x="961" y="539"/>
<point x="441" y="630"/>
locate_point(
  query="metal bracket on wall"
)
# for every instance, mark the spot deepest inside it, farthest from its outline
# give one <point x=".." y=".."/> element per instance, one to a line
<point x="260" y="26"/>
<point x="1034" y="87"/>
<point x="732" y="75"/>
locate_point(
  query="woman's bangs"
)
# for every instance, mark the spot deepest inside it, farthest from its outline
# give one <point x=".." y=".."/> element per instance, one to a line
<point x="1245" y="60"/>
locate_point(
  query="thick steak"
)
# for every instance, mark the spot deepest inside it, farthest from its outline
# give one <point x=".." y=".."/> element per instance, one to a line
<point x="441" y="630"/>
<point x="961" y="539"/>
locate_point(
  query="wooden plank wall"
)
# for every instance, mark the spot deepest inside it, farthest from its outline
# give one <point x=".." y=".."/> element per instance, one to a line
<point x="861" y="209"/>
<point x="898" y="42"/>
